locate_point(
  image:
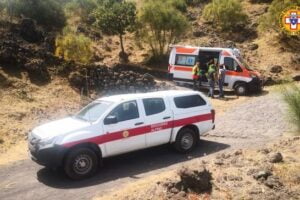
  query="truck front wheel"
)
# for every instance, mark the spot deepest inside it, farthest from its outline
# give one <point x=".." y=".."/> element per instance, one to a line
<point x="81" y="163"/>
<point x="186" y="140"/>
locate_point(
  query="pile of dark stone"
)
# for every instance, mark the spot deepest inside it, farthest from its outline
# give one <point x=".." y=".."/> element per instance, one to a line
<point x="113" y="80"/>
<point x="191" y="181"/>
<point x="23" y="46"/>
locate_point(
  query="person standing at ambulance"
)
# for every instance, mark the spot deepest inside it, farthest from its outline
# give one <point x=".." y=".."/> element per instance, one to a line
<point x="211" y="76"/>
<point x="196" y="72"/>
<point x="221" y="79"/>
<point x="201" y="73"/>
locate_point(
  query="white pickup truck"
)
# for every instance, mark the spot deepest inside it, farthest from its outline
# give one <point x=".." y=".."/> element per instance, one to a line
<point x="118" y="124"/>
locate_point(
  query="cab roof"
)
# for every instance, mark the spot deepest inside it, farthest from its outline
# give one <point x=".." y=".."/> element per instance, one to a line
<point x="128" y="97"/>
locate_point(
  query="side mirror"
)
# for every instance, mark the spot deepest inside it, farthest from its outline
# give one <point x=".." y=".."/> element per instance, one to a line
<point x="110" y="120"/>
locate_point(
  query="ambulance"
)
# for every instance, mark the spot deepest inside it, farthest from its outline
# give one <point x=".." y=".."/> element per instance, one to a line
<point x="240" y="77"/>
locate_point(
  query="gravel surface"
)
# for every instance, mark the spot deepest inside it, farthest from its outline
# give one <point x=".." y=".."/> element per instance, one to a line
<point x="262" y="118"/>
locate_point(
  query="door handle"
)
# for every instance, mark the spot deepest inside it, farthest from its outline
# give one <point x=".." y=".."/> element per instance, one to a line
<point x="168" y="117"/>
<point x="139" y="123"/>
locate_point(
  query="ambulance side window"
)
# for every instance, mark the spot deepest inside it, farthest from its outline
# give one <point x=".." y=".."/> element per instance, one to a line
<point x="232" y="65"/>
<point x="186" y="60"/>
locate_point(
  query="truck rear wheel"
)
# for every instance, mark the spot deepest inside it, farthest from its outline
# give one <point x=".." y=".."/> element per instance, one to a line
<point x="186" y="140"/>
<point x="81" y="163"/>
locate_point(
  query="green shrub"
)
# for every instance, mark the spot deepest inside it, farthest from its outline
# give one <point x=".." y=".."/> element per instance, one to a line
<point x="77" y="47"/>
<point x="160" y="25"/>
<point x="48" y="13"/>
<point x="271" y="20"/>
<point x="2" y="7"/>
<point x="261" y="1"/>
<point x="226" y="14"/>
<point x="292" y="98"/>
<point x="195" y="2"/>
<point x="178" y="4"/>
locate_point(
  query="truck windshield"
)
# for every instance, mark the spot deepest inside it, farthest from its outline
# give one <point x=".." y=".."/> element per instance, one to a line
<point x="93" y="111"/>
<point x="242" y="61"/>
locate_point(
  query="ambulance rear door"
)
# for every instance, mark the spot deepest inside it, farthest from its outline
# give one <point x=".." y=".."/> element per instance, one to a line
<point x="185" y="59"/>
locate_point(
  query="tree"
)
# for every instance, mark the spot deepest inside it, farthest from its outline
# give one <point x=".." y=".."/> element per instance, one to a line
<point x="161" y="25"/>
<point x="115" y="17"/>
<point x="226" y="14"/>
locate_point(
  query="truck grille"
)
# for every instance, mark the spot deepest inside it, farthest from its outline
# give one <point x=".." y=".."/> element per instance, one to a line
<point x="33" y="143"/>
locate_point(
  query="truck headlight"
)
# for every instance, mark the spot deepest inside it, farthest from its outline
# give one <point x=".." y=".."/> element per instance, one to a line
<point x="46" y="142"/>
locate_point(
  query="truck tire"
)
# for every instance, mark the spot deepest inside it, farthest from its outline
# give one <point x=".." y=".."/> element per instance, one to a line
<point x="240" y="89"/>
<point x="81" y="163"/>
<point x="186" y="140"/>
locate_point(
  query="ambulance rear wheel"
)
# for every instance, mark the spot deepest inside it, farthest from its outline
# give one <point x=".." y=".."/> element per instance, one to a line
<point x="186" y="140"/>
<point x="81" y="163"/>
<point x="241" y="89"/>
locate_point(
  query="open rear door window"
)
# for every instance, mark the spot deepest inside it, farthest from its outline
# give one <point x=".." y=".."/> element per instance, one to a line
<point x="185" y="60"/>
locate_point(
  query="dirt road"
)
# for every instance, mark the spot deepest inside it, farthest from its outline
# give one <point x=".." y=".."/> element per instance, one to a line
<point x="248" y="124"/>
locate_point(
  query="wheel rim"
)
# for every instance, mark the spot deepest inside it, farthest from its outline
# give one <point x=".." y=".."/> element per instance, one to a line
<point x="241" y="90"/>
<point x="187" y="141"/>
<point x="82" y="164"/>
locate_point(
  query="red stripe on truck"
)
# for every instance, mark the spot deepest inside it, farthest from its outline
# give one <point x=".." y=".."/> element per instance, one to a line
<point x="109" y="137"/>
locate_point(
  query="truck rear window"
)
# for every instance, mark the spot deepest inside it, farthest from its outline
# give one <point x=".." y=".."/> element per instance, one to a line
<point x="189" y="101"/>
<point x="154" y="106"/>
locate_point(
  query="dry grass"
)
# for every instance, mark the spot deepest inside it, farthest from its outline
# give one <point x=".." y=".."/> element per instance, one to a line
<point x="25" y="106"/>
<point x="289" y="173"/>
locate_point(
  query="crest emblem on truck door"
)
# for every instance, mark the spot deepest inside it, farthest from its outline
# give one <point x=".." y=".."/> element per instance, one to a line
<point x="125" y="134"/>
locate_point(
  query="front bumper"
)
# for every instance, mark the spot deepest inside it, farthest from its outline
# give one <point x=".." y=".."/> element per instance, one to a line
<point x="51" y="157"/>
<point x="255" y="85"/>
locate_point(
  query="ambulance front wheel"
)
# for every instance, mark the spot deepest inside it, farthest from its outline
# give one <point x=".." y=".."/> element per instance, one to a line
<point x="241" y="89"/>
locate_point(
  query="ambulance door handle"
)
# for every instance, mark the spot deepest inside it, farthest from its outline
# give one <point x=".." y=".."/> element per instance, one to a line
<point x="138" y="123"/>
<point x="167" y="117"/>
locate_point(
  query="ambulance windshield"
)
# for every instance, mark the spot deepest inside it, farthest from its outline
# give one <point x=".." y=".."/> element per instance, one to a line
<point x="93" y="111"/>
<point x="242" y="61"/>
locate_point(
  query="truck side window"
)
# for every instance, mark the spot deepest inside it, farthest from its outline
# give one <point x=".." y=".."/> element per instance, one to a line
<point x="232" y="65"/>
<point x="189" y="101"/>
<point x="126" y="111"/>
<point x="154" y="106"/>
